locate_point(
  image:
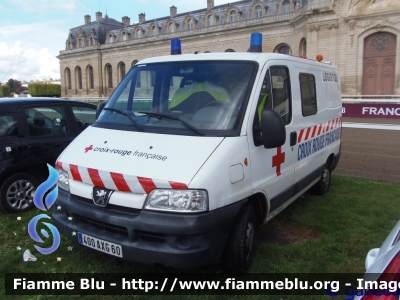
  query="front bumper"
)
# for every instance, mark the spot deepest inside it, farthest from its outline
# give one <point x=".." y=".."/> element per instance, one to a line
<point x="179" y="240"/>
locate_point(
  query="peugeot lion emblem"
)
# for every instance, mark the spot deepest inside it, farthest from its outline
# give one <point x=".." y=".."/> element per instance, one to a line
<point x="101" y="196"/>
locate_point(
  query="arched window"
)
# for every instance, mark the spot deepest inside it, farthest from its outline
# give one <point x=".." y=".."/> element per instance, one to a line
<point x="90" y="77"/>
<point x="122" y="70"/>
<point x="210" y="20"/>
<point x="111" y="38"/>
<point x="303" y="47"/>
<point x="190" y="24"/>
<point x="68" y="78"/>
<point x="154" y="30"/>
<point x="134" y="63"/>
<point x="171" y="28"/>
<point x="285" y="7"/>
<point x="258" y="11"/>
<point x="233" y="16"/>
<point x="124" y="36"/>
<point x="139" y="33"/>
<point x="109" y="76"/>
<point x="91" y="41"/>
<point x="284" y="49"/>
<point x="79" y="77"/>
<point x="229" y="50"/>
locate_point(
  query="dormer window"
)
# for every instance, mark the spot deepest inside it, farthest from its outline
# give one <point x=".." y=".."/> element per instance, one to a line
<point x="154" y="30"/>
<point x="286" y="7"/>
<point x="190" y="24"/>
<point x="233" y="16"/>
<point x="138" y="33"/>
<point x="111" y="38"/>
<point x="210" y="21"/>
<point x="258" y="12"/>
<point x="171" y="28"/>
<point x="124" y="36"/>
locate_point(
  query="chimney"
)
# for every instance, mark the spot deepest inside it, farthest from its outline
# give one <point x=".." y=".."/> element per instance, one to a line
<point x="142" y="18"/>
<point x="99" y="16"/>
<point x="210" y="4"/>
<point x="87" y="19"/>
<point x="172" y="11"/>
<point x="126" y="20"/>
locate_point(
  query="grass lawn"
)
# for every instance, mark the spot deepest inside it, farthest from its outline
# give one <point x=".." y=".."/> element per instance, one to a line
<point x="329" y="234"/>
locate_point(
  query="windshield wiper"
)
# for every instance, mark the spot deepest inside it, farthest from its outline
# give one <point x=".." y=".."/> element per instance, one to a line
<point x="160" y="116"/>
<point x="126" y="115"/>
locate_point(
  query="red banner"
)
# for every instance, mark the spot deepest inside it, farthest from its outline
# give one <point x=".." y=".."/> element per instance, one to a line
<point x="371" y="110"/>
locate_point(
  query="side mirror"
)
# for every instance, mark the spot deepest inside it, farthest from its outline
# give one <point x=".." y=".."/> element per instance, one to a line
<point x="371" y="257"/>
<point x="100" y="109"/>
<point x="273" y="129"/>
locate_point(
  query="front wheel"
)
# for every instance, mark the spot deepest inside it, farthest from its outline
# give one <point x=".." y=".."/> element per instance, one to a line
<point x="240" y="247"/>
<point x="16" y="193"/>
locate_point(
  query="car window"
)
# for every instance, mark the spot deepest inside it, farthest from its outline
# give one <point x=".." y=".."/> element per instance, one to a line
<point x="8" y="125"/>
<point x="84" y="116"/>
<point x="46" y="120"/>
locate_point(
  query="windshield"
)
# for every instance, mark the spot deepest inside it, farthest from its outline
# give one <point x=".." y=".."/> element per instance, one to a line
<point x="192" y="98"/>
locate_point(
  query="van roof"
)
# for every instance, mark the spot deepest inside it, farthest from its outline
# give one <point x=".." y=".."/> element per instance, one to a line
<point x="239" y="56"/>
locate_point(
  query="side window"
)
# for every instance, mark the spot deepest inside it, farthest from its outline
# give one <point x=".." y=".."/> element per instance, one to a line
<point x="84" y="116"/>
<point x="46" y="121"/>
<point x="281" y="93"/>
<point x="8" y="125"/>
<point x="308" y="95"/>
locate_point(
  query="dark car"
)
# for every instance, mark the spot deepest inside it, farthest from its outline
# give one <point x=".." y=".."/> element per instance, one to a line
<point x="33" y="133"/>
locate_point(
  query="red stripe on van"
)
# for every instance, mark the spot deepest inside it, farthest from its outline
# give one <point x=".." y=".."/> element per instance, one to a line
<point x="313" y="133"/>
<point x="308" y="133"/>
<point x="178" y="185"/>
<point x="300" y="135"/>
<point x="147" y="184"/>
<point x="327" y="127"/>
<point x="320" y="128"/>
<point x="120" y="182"/>
<point x="75" y="172"/>
<point x="95" y="177"/>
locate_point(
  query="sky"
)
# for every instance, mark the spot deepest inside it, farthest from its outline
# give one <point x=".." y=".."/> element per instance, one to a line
<point x="32" y="32"/>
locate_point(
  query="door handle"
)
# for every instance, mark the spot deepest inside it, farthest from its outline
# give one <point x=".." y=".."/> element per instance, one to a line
<point x="35" y="146"/>
<point x="293" y="138"/>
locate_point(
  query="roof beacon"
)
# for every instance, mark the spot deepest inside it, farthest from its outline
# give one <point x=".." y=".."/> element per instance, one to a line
<point x="256" y="42"/>
<point x="176" y="46"/>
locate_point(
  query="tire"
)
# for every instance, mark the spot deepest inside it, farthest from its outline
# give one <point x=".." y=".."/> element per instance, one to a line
<point x="240" y="246"/>
<point x="324" y="183"/>
<point x="16" y="193"/>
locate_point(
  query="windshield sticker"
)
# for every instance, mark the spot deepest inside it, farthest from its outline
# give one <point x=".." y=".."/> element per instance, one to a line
<point x="121" y="152"/>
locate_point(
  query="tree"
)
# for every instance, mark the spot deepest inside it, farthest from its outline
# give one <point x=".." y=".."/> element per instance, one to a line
<point x="13" y="84"/>
<point x="21" y="89"/>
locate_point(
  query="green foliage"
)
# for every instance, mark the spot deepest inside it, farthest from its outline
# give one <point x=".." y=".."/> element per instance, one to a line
<point x="13" y="84"/>
<point x="5" y="90"/>
<point x="44" y="90"/>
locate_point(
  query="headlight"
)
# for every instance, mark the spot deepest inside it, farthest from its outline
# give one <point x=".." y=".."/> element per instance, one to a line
<point x="177" y="200"/>
<point x="63" y="179"/>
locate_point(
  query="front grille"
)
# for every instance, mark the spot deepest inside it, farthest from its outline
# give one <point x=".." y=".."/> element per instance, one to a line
<point x="151" y="236"/>
<point x="110" y="207"/>
<point x="120" y="230"/>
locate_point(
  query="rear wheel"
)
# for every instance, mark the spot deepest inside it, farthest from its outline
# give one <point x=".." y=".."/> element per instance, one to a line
<point x="324" y="183"/>
<point x="240" y="247"/>
<point x="16" y="193"/>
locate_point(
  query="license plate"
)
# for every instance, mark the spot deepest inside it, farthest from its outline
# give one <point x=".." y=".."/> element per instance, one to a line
<point x="100" y="245"/>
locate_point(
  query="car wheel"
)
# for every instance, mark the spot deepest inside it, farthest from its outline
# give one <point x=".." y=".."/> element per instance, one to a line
<point x="240" y="247"/>
<point x="324" y="183"/>
<point x="16" y="193"/>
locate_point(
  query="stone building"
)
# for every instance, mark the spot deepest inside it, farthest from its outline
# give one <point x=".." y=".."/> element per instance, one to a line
<point x="361" y="37"/>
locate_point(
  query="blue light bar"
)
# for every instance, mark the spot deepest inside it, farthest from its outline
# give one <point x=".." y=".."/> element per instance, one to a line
<point x="256" y="42"/>
<point x="176" y="46"/>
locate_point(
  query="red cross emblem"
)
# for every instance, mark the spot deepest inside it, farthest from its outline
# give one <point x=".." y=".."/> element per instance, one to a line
<point x="277" y="160"/>
<point x="88" y="148"/>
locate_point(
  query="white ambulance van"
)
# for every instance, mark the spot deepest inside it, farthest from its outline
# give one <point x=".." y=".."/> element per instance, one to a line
<point x="193" y="152"/>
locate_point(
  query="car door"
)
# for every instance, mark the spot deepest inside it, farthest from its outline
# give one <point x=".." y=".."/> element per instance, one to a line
<point x="272" y="170"/>
<point x="9" y="136"/>
<point x="47" y="132"/>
